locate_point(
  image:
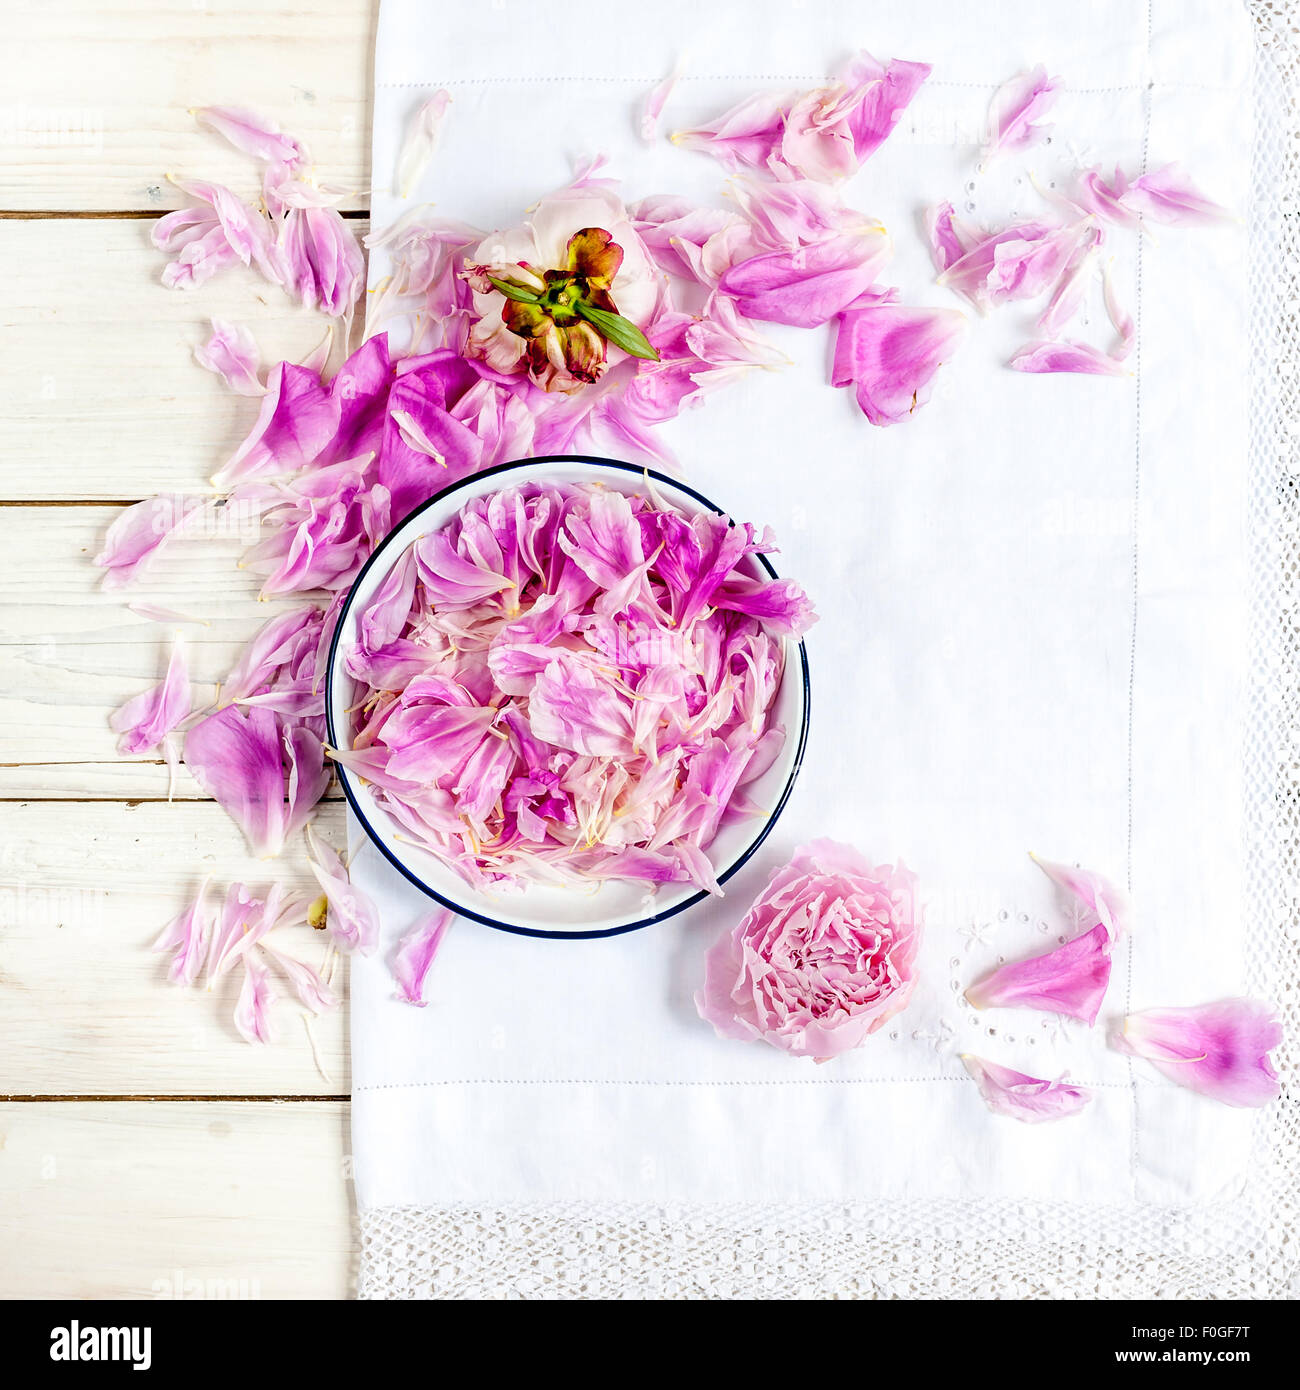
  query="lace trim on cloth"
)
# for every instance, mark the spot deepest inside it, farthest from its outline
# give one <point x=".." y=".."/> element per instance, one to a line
<point x="954" y="1248"/>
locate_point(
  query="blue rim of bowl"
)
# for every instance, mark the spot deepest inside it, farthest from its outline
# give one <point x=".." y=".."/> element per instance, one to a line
<point x="344" y="776"/>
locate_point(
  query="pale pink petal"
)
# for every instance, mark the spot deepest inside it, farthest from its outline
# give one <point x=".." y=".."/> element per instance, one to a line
<point x="1168" y="196"/>
<point x="1017" y="110"/>
<point x="1021" y="261"/>
<point x="1119" y="317"/>
<point x="1029" y="1099"/>
<point x="1104" y="198"/>
<point x="1102" y="901"/>
<point x="1070" y="288"/>
<point x="415" y="953"/>
<point x="1220" y="1049"/>
<point x="890" y="353"/>
<point x="1067" y="357"/>
<point x="139" y="532"/>
<point x="147" y="719"/>
<point x="253" y="134"/>
<point x="420" y="142"/>
<point x="1070" y="980"/>
<point x="252" y="1009"/>
<point x="654" y="105"/>
<point x="187" y="936"/>
<point x="306" y="983"/>
<point x="353" y="919"/>
<point x="231" y="352"/>
<point x="322" y="259"/>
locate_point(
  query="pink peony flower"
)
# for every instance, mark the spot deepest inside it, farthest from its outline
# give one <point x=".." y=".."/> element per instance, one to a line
<point x="825" y="956"/>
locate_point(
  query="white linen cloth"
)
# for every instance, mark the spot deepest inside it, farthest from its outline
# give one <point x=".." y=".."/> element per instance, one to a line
<point x="1033" y="636"/>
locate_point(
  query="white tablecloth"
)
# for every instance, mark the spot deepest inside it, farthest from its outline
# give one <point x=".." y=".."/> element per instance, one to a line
<point x="1033" y="636"/>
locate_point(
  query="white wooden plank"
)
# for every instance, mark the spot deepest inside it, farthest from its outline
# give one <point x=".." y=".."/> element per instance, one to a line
<point x="103" y="398"/>
<point x="85" y="1007"/>
<point x="132" y="1200"/>
<point x="70" y="652"/>
<point x="97" y="98"/>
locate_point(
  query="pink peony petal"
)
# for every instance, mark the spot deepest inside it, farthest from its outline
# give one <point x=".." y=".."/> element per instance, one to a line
<point x="1102" y="901"/>
<point x="1070" y="980"/>
<point x="1028" y="1099"/>
<point x="140" y="531"/>
<point x="306" y="983"/>
<point x="322" y="259"/>
<point x="420" y="142"/>
<point x="240" y="759"/>
<point x="252" y="1010"/>
<point x="147" y="719"/>
<point x="415" y="953"/>
<point x="252" y="134"/>
<point x="1021" y="261"/>
<point x="890" y="353"/>
<point x="1220" y="1049"/>
<point x="808" y="286"/>
<point x="1066" y="357"/>
<point x="950" y="238"/>
<point x="655" y="101"/>
<point x="298" y="418"/>
<point x="1168" y="196"/>
<point x="232" y="354"/>
<point x="1017" y="110"/>
<point x="187" y="936"/>
<point x="744" y="136"/>
<point x="353" y="919"/>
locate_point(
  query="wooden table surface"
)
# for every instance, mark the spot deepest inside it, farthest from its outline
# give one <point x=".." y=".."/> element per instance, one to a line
<point x="144" y="1148"/>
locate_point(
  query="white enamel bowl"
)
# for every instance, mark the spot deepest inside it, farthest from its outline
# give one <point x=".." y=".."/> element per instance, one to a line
<point x="545" y="910"/>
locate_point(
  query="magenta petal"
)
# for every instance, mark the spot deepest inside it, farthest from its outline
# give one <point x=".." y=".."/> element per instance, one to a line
<point x="880" y="96"/>
<point x="890" y="353"/>
<point x="809" y="286"/>
<point x="1070" y="980"/>
<point x="235" y="757"/>
<point x="950" y="239"/>
<point x="415" y="953"/>
<point x="147" y="719"/>
<point x="1219" y="1049"/>
<point x="1017" y="110"/>
<point x="298" y="417"/>
<point x="1044" y="358"/>
<point x="1028" y="1099"/>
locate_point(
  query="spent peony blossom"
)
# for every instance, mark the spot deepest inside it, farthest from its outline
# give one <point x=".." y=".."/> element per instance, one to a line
<point x="826" y="955"/>
<point x="1220" y="1049"/>
<point x="567" y="294"/>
